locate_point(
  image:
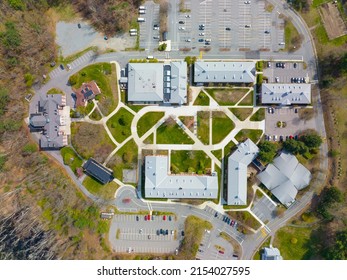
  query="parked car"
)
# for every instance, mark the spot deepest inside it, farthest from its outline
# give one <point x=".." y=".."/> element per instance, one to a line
<point x="141" y="230"/>
<point x="188" y="40"/>
<point x="201" y="251"/>
<point x="181" y="28"/>
<point x="137" y="218"/>
<point x="228" y="28"/>
<point x="148" y="217"/>
<point x="158" y="232"/>
<point x="52" y="64"/>
<point x="149" y="237"/>
<point x="187" y="16"/>
<point x="164" y="218"/>
<point x="167" y="232"/>
<point x="161" y="231"/>
<point x="145" y="217"/>
<point x="156" y="37"/>
<point x="216" y="215"/>
<point x="79" y="25"/>
<point x="247" y="26"/>
<point x="200" y="40"/>
<point x="295" y="64"/>
<point x="202" y="34"/>
<point x="170" y="218"/>
<point x="247" y="2"/>
<point x="267" y="32"/>
<point x="221" y="252"/>
<point x="181" y="22"/>
<point x="182" y="232"/>
<point x="62" y="67"/>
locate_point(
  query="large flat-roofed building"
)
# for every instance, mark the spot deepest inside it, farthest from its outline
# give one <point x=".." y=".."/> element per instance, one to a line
<point x="160" y="184"/>
<point x="271" y="253"/>
<point x="285" y="177"/>
<point x="286" y="94"/>
<point x="238" y="163"/>
<point x="52" y="119"/>
<point x="98" y="171"/>
<point x="157" y="82"/>
<point x="224" y="72"/>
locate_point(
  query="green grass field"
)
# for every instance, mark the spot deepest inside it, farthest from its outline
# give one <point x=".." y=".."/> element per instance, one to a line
<point x="217" y="154"/>
<point x="258" y="115"/>
<point x="71" y="158"/>
<point x="228" y="96"/>
<point x="189" y="161"/>
<point x="241" y="113"/>
<point x="104" y="191"/>
<point x="257" y="255"/>
<point x="202" y="99"/>
<point x="221" y="126"/>
<point x="125" y="158"/>
<point x="293" y="242"/>
<point x="248" y="100"/>
<point x="120" y="124"/>
<point x="229" y="147"/>
<point x="96" y="116"/>
<point x="148" y="121"/>
<point x="204" y="127"/>
<point x="170" y="133"/>
<point x="253" y="134"/>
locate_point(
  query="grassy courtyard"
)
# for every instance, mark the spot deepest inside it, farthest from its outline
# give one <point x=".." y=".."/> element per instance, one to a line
<point x="221" y="126"/>
<point x="170" y="133"/>
<point x="227" y="96"/>
<point x="125" y="158"/>
<point x="241" y="113"/>
<point x="258" y="115"/>
<point x="147" y="121"/>
<point x="104" y="191"/>
<point x="204" y="127"/>
<point x="202" y="99"/>
<point x="190" y="162"/>
<point x="248" y="100"/>
<point x="120" y="124"/>
<point x="253" y="134"/>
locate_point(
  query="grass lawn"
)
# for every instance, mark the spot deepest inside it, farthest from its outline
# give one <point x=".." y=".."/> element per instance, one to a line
<point x="292" y="37"/>
<point x="204" y="127"/>
<point x="125" y="158"/>
<point x="293" y="242"/>
<point x="149" y="139"/>
<point x="148" y="121"/>
<point x="248" y="100"/>
<point x="188" y="122"/>
<point x="55" y="91"/>
<point x="105" y="77"/>
<point x="170" y="133"/>
<point x="96" y="116"/>
<point x="104" y="191"/>
<point x="194" y="229"/>
<point x="71" y="158"/>
<point x="136" y="108"/>
<point x="253" y="134"/>
<point x="120" y="125"/>
<point x="189" y="162"/>
<point x="91" y="140"/>
<point x="217" y="154"/>
<point x="241" y="113"/>
<point x="221" y="126"/>
<point x="258" y="115"/>
<point x="229" y="147"/>
<point x="227" y="96"/>
<point x="202" y="99"/>
<point x="257" y="255"/>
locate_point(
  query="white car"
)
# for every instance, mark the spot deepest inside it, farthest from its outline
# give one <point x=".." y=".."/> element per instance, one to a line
<point x="188" y="40"/>
<point x="201" y="34"/>
<point x="68" y="66"/>
<point x="247" y="2"/>
<point x="181" y="28"/>
<point x="187" y="16"/>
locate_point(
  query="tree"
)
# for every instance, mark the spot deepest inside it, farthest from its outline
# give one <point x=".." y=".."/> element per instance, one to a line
<point x="295" y="147"/>
<point x="339" y="250"/>
<point x="4" y="99"/>
<point x="267" y="151"/>
<point x="162" y="47"/>
<point x="312" y="140"/>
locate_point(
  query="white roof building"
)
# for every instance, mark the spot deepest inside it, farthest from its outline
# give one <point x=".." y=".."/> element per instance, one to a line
<point x="157" y="82"/>
<point x="271" y="253"/>
<point x="286" y="94"/>
<point x="285" y="177"/>
<point x="160" y="184"/>
<point x="238" y="162"/>
<point x="224" y="72"/>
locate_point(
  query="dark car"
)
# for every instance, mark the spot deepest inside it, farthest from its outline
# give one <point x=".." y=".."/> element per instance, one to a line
<point x="281" y="138"/>
<point x="228" y="28"/>
<point x="161" y="231"/>
<point x="137" y="218"/>
<point x="182" y="233"/>
<point x="170" y="218"/>
<point x="105" y="38"/>
<point x="181" y="22"/>
<point x="158" y="232"/>
<point x="216" y="215"/>
<point x="145" y="217"/>
<point x="167" y="232"/>
<point x="295" y="64"/>
<point x="235" y="256"/>
<point x="52" y="64"/>
<point x="62" y="67"/>
<point x="200" y="40"/>
<point x="79" y="25"/>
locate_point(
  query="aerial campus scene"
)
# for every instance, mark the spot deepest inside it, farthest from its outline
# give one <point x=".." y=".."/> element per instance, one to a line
<point x="173" y="129"/>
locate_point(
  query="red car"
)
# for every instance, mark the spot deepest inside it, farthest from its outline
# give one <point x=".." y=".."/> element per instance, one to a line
<point x="148" y="217"/>
<point x="221" y="252"/>
<point x="164" y="218"/>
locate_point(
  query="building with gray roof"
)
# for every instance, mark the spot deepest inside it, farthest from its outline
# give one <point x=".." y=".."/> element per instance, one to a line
<point x="238" y="162"/>
<point x="286" y="94"/>
<point x="224" y="72"/>
<point x="285" y="177"/>
<point x="98" y="171"/>
<point x="160" y="184"/>
<point x="271" y="253"/>
<point x="157" y="82"/>
<point x="52" y="119"/>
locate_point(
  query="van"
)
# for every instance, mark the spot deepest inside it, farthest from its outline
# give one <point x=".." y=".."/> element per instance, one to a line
<point x="141" y="19"/>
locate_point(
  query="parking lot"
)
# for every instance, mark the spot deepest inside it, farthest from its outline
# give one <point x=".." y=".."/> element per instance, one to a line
<point x="219" y="25"/>
<point x="293" y="124"/>
<point x="138" y="234"/>
<point x="214" y="247"/>
<point x="263" y="208"/>
<point x="286" y="73"/>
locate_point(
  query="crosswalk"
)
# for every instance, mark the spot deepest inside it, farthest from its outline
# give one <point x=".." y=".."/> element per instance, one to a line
<point x="88" y="56"/>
